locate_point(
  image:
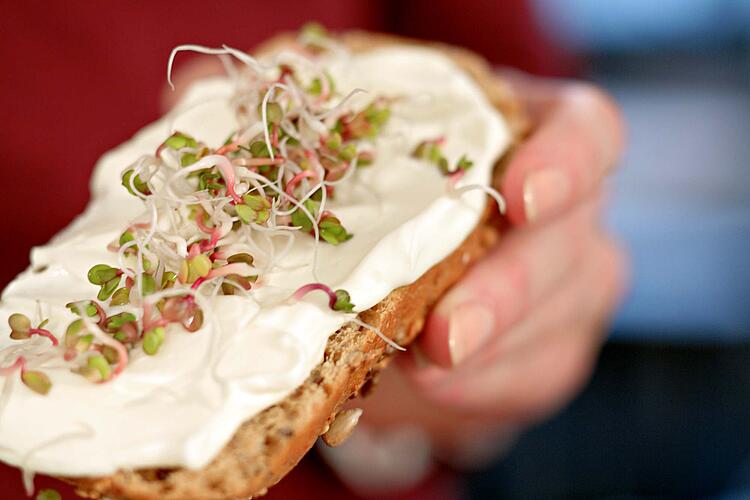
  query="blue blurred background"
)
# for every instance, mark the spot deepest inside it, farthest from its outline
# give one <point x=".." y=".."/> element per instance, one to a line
<point x="680" y="69"/>
<point x="667" y="414"/>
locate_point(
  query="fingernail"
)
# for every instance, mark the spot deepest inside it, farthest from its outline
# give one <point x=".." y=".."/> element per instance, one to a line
<point x="469" y="328"/>
<point x="544" y="192"/>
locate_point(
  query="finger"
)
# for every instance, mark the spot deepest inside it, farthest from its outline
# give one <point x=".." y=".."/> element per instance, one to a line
<point x="578" y="139"/>
<point x="595" y="288"/>
<point x="501" y="288"/>
<point x="522" y="381"/>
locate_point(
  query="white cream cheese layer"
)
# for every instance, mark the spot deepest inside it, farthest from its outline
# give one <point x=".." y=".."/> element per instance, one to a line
<point x="180" y="407"/>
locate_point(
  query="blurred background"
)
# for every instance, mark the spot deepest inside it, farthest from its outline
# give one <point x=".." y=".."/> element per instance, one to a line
<point x="667" y="413"/>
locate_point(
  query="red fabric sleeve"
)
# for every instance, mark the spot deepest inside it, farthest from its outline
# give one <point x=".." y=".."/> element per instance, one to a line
<point x="505" y="32"/>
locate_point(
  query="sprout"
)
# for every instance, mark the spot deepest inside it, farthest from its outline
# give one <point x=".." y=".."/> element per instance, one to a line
<point x="120" y="297"/>
<point x="179" y="140"/>
<point x="332" y="231"/>
<point x="36" y="381"/>
<point x="338" y="300"/>
<point x="464" y="163"/>
<point x="48" y="495"/>
<point x="343" y="302"/>
<point x="256" y="209"/>
<point x="152" y="340"/>
<point x="20" y="328"/>
<point x="134" y="184"/>
<point x="101" y="366"/>
<point x="116" y="321"/>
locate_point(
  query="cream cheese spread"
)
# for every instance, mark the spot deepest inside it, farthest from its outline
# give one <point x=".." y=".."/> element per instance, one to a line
<point x="181" y="406"/>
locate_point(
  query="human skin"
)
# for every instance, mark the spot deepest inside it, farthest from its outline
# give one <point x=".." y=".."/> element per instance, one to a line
<point x="518" y="336"/>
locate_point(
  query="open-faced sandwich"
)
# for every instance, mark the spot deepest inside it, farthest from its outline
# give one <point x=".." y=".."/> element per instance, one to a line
<point x="248" y="262"/>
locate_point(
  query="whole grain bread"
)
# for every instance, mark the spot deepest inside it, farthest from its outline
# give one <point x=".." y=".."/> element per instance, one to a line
<point x="269" y="445"/>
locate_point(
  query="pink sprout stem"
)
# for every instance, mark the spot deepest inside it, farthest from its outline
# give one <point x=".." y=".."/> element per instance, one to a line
<point x="194" y="250"/>
<point x="199" y="220"/>
<point x="20" y="362"/>
<point x="234" y="268"/>
<point x="258" y="162"/>
<point x="227" y="148"/>
<point x="456" y="176"/>
<point x="218" y="254"/>
<point x="297" y="179"/>
<point x="122" y="359"/>
<point x="311" y="287"/>
<point x="147" y="313"/>
<point x="44" y="333"/>
<point x="215" y="233"/>
<point x="227" y="172"/>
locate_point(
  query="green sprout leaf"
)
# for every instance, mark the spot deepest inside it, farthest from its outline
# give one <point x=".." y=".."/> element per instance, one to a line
<point x="316" y="87"/>
<point x="168" y="279"/>
<point x="200" y="266"/>
<point x="299" y="218"/>
<point x="138" y="183"/>
<point x="116" y="321"/>
<point x="36" y="381"/>
<point x="88" y="308"/>
<point x="464" y="163"/>
<point x="274" y="112"/>
<point x="188" y="159"/>
<point x="313" y="28"/>
<point x="348" y="152"/>
<point x="332" y="231"/>
<point x="101" y="365"/>
<point x="259" y="149"/>
<point x="126" y="237"/>
<point x="377" y="115"/>
<point x="20" y="325"/>
<point x="152" y="340"/>
<point x="108" y="288"/>
<point x="110" y="354"/>
<point x="101" y="273"/>
<point x="148" y="284"/>
<point x="442" y="164"/>
<point x="48" y="495"/>
<point x="343" y="301"/>
<point x="75" y="327"/>
<point x="179" y="140"/>
<point x="256" y="208"/>
<point x="241" y="257"/>
<point x="120" y="297"/>
<point x="245" y="213"/>
<point x="334" y="141"/>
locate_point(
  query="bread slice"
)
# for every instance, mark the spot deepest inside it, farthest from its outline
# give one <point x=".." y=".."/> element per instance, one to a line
<point x="269" y="445"/>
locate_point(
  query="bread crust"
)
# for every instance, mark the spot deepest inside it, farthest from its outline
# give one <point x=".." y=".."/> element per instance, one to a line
<point x="266" y="447"/>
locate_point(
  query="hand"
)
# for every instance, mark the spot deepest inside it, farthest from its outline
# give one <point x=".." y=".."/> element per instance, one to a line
<point x="518" y="336"/>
